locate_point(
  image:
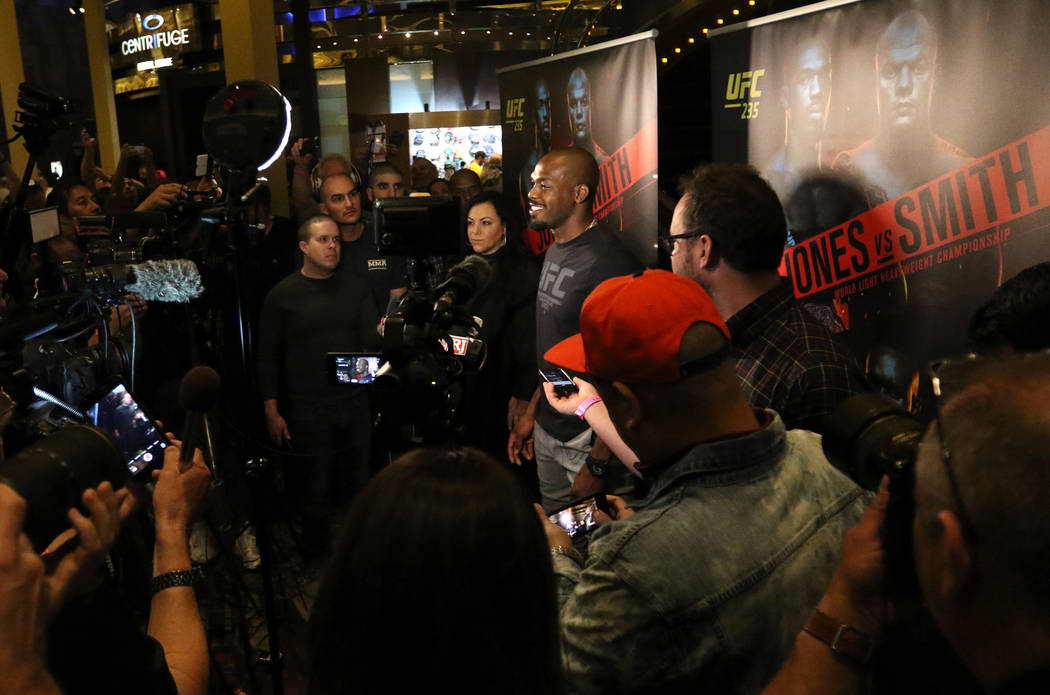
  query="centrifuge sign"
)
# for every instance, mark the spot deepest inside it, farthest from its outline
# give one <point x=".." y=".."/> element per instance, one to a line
<point x="158" y="39"/>
<point x="160" y="35"/>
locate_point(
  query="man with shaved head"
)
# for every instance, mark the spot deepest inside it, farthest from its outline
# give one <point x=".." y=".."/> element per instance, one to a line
<point x="906" y="153"/>
<point x="341" y="201"/>
<point x="578" y="96"/>
<point x="564" y="184"/>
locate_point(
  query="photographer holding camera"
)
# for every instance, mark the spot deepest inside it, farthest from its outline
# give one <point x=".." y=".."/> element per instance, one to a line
<point x="980" y="536"/>
<point x="91" y="641"/>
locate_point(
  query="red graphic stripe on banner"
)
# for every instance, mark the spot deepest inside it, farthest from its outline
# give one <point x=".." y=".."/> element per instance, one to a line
<point x="628" y="165"/>
<point x="1004" y="185"/>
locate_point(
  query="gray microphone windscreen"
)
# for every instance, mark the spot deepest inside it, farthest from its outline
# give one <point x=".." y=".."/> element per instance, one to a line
<point x="166" y="281"/>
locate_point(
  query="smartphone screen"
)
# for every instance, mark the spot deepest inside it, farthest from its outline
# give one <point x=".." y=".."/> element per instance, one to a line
<point x="353" y="367"/>
<point x="557" y="377"/>
<point x="578" y="517"/>
<point x="563" y="384"/>
<point x="203" y="165"/>
<point x="134" y="433"/>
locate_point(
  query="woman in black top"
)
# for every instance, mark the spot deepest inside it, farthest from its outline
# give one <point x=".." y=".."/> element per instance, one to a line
<point x="496" y="396"/>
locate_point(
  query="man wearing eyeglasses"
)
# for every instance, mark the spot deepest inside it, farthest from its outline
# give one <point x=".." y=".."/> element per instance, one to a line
<point x="728" y="234"/>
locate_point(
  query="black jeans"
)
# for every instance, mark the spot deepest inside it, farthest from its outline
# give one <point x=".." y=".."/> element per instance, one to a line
<point x="337" y="438"/>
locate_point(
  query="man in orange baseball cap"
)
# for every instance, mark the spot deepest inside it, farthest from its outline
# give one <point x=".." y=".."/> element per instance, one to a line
<point x="708" y="579"/>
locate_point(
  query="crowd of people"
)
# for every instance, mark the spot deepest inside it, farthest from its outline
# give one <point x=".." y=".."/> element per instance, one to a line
<point x="734" y="557"/>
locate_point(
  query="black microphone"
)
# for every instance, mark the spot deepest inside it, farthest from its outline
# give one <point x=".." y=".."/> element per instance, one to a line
<point x="464" y="279"/>
<point x="198" y="392"/>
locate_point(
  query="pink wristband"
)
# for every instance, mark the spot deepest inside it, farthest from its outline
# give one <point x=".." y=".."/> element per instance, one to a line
<point x="582" y="409"/>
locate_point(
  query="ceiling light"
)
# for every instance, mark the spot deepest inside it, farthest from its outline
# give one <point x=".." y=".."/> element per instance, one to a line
<point x="663" y="60"/>
<point x="435" y="33"/>
<point x="677" y="50"/>
<point x="736" y="11"/>
<point x="81" y="10"/>
<point x="704" y="30"/>
<point x="692" y="40"/>
<point x="720" y="21"/>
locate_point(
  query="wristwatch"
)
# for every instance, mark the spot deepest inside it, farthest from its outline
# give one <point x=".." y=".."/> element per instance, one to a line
<point x="843" y="639"/>
<point x="169" y="580"/>
<point x="597" y="467"/>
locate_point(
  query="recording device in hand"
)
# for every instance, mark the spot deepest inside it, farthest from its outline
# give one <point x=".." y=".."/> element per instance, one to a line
<point x="578" y="517"/>
<point x="203" y="165"/>
<point x="309" y="147"/>
<point x="131" y="430"/>
<point x="563" y="383"/>
<point x="868" y="436"/>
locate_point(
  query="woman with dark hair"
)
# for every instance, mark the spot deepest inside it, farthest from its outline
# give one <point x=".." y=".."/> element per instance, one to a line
<point x="499" y="394"/>
<point x="440" y="578"/>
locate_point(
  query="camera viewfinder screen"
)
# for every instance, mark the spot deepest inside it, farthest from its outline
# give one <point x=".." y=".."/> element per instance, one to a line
<point x="121" y="418"/>
<point x="356" y="369"/>
<point x="578" y="518"/>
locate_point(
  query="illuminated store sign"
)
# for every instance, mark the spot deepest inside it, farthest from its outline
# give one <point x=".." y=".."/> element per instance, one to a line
<point x="161" y="39"/>
<point x="158" y="37"/>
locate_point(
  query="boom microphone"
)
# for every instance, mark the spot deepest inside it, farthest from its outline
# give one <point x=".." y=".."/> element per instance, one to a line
<point x="464" y="279"/>
<point x="165" y="281"/>
<point x="198" y="392"/>
<point x="156" y="281"/>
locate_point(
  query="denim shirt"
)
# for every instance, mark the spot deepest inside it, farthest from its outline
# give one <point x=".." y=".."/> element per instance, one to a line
<point x="707" y="585"/>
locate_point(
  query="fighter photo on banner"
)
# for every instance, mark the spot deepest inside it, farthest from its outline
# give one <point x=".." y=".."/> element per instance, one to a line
<point x="909" y="142"/>
<point x="601" y="99"/>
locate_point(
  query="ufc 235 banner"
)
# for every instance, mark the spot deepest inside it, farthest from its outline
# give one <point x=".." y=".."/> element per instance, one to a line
<point x="602" y="99"/>
<point x="910" y="145"/>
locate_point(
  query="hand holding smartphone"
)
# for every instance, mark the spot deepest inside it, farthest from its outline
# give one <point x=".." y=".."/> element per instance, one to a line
<point x="563" y="384"/>
<point x="134" y="432"/>
<point x="578" y="517"/>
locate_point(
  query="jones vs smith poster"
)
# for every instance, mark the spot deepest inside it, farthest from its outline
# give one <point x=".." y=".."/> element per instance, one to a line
<point x="602" y="99"/>
<point x="910" y="145"/>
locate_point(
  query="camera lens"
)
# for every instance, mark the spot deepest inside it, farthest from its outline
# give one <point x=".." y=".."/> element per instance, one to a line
<point x="52" y="474"/>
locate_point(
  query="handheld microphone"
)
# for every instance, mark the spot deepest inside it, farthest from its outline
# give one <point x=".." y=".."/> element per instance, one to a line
<point x="198" y="392"/>
<point x="464" y="279"/>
